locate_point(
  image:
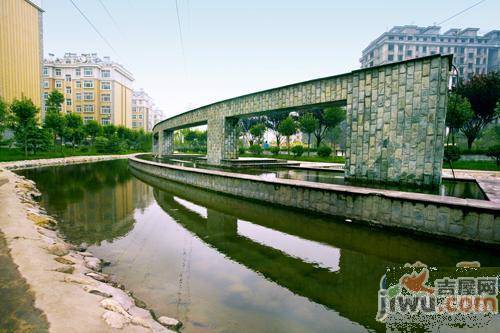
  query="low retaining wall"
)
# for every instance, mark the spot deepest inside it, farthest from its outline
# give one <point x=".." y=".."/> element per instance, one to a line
<point x="464" y="219"/>
<point x="28" y="164"/>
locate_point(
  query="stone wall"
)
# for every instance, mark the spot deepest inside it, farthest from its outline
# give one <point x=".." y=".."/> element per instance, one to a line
<point x="462" y="219"/>
<point x="395" y="118"/>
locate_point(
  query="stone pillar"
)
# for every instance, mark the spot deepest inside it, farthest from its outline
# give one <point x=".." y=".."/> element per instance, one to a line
<point x="160" y="145"/>
<point x="168" y="142"/>
<point x="155" y="143"/>
<point x="222" y="139"/>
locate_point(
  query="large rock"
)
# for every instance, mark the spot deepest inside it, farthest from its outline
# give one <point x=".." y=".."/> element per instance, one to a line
<point x="58" y="249"/>
<point x="169" y="322"/>
<point x="114" y="319"/>
<point x="112" y="305"/>
<point x="92" y="263"/>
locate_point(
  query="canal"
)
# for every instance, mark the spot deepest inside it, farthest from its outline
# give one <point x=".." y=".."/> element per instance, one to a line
<point x="224" y="264"/>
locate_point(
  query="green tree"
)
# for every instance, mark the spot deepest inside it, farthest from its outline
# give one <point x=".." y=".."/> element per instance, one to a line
<point x="74" y="128"/>
<point x="257" y="131"/>
<point x="93" y="130"/>
<point x="494" y="152"/>
<point x="4" y="117"/>
<point x="328" y="118"/>
<point x="54" y="120"/>
<point x="109" y="131"/>
<point x="24" y="121"/>
<point x="458" y="114"/>
<point x="272" y="121"/>
<point x="287" y="128"/>
<point x="39" y="139"/>
<point x="483" y="93"/>
<point x="308" y="123"/>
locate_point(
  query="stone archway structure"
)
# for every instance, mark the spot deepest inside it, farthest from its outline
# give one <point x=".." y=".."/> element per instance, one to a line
<point x="395" y="119"/>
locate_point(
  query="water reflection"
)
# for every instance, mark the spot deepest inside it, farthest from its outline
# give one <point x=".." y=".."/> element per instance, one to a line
<point x="224" y="264"/>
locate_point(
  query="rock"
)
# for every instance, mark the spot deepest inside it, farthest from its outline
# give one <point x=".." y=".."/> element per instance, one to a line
<point x="64" y="261"/>
<point x="58" y="249"/>
<point x="43" y="221"/>
<point x="73" y="279"/>
<point x="86" y="254"/>
<point x="92" y="263"/>
<point x="140" y="321"/>
<point x="65" y="269"/>
<point x="112" y="305"/>
<point x="98" y="277"/>
<point x="115" y="320"/>
<point x="169" y="322"/>
<point x="99" y="293"/>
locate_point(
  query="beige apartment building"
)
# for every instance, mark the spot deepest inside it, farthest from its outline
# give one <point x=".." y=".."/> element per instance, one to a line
<point x="142" y="110"/>
<point x="21" y="49"/>
<point x="97" y="89"/>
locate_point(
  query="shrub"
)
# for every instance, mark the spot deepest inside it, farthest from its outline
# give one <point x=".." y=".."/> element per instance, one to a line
<point x="451" y="153"/>
<point x="115" y="145"/>
<point x="241" y="150"/>
<point x="256" y="149"/>
<point x="101" y="144"/>
<point x="324" y="151"/>
<point x="275" y="150"/>
<point x="298" y="150"/>
<point x="84" y="149"/>
<point x="494" y="152"/>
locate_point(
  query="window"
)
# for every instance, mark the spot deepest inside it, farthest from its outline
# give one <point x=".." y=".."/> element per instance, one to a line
<point x="78" y="84"/>
<point x="45" y="71"/>
<point x="45" y="95"/>
<point x="140" y="116"/>
<point x="78" y="96"/>
<point x="469" y="66"/>
<point x="87" y="71"/>
<point x="391" y="47"/>
<point x="433" y="39"/>
<point x="471" y="55"/>
<point x="88" y="108"/>
<point x="68" y="101"/>
<point x="105" y="98"/>
<point x="105" y="121"/>
<point x="105" y="73"/>
<point x="68" y="90"/>
<point x="424" y="48"/>
<point x="67" y="78"/>
<point x="105" y="109"/>
<point x="78" y="108"/>
<point x="134" y="124"/>
<point x="46" y="84"/>
<point x="391" y="37"/>
<point x="58" y="71"/>
<point x="134" y="116"/>
<point x="58" y="84"/>
<point x="390" y="57"/>
<point x="105" y="85"/>
<point x="134" y="109"/>
<point x="409" y="53"/>
<point x="400" y="57"/>
<point x="88" y="84"/>
<point x="86" y="119"/>
<point x="410" y="38"/>
<point x="88" y="96"/>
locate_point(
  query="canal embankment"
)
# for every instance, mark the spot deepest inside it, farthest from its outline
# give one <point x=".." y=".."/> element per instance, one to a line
<point x="65" y="281"/>
<point x="438" y="216"/>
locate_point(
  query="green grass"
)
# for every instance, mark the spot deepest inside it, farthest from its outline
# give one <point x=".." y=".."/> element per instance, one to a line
<point x="473" y="165"/>
<point x="15" y="154"/>
<point x="303" y="158"/>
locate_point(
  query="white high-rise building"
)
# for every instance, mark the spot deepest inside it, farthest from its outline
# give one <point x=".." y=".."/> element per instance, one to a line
<point x="472" y="53"/>
<point x="142" y="109"/>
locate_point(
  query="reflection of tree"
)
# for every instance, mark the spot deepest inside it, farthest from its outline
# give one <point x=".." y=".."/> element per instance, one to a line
<point x="93" y="202"/>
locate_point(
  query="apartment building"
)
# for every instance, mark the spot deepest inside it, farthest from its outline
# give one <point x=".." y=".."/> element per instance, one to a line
<point x="21" y="49"/>
<point x="472" y="53"/>
<point x="97" y="89"/>
<point x="142" y="110"/>
<point x="157" y="116"/>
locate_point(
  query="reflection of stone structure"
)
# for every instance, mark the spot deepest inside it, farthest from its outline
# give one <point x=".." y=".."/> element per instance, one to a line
<point x="395" y="119"/>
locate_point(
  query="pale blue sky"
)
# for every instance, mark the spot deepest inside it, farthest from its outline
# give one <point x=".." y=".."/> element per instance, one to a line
<point x="238" y="47"/>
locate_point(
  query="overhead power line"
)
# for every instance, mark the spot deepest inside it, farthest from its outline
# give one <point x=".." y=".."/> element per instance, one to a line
<point x="460" y="12"/>
<point x="110" y="16"/>
<point x="181" y="38"/>
<point x="94" y="27"/>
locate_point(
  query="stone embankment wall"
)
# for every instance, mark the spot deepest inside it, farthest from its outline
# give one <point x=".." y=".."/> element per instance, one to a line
<point x="27" y="164"/>
<point x="463" y="219"/>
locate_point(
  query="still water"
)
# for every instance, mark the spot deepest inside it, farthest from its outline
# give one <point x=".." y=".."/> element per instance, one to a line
<point x="467" y="189"/>
<point x="223" y="264"/>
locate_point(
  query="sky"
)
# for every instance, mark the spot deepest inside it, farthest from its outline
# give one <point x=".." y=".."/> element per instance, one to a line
<point x="232" y="47"/>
